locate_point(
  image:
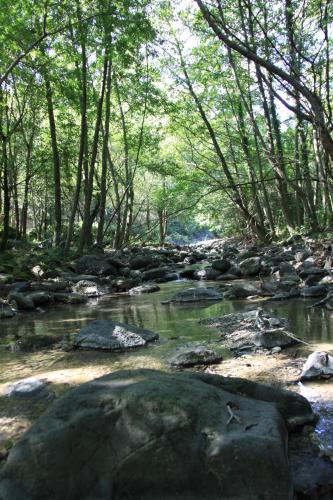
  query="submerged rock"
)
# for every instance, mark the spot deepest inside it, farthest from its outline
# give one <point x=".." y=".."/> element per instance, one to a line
<point x="112" y="336"/>
<point x="30" y="343"/>
<point x="196" y="295"/>
<point x="252" y="329"/>
<point x="318" y="365"/>
<point x="153" y="435"/>
<point x="193" y="357"/>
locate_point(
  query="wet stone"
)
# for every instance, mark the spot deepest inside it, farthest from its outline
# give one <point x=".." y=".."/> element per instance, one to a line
<point x="112" y="336"/>
<point x="196" y="295"/>
<point x="194" y="357"/>
<point x="252" y="330"/>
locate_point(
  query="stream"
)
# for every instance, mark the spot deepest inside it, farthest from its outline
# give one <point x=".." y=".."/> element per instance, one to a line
<point x="177" y="325"/>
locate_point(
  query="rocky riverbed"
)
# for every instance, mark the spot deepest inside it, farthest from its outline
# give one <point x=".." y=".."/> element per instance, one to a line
<point x="36" y="342"/>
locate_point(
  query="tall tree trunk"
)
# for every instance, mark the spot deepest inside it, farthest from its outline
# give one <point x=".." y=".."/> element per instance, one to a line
<point x="56" y="163"/>
<point x="82" y="163"/>
<point x="100" y="230"/>
<point x="86" y="230"/>
<point x="126" y="216"/>
<point x="6" y="194"/>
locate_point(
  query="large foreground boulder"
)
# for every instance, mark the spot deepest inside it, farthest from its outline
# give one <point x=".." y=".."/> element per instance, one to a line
<point x="145" y="435"/>
<point x="112" y="336"/>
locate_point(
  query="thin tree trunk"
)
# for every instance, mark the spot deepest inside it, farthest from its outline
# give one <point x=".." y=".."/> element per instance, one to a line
<point x="100" y="230"/>
<point x="86" y="231"/>
<point x="83" y="151"/>
<point x="56" y="163"/>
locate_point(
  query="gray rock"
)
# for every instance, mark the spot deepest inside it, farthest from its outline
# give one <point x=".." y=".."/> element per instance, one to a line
<point x="196" y="295"/>
<point x="314" y="279"/>
<point x="151" y="274"/>
<point x="115" y="262"/>
<point x="138" y="290"/>
<point x="189" y="273"/>
<point x="141" y="261"/>
<point x="6" y="311"/>
<point x="26" y="388"/>
<point x="311" y="270"/>
<point x="247" y="254"/>
<point x="97" y="265"/>
<point x="123" y="285"/>
<point x="286" y="269"/>
<point x="241" y="291"/>
<point x="88" y="288"/>
<point x="112" y="336"/>
<point x="150" y="435"/>
<point x="279" y="258"/>
<point x="252" y="329"/>
<point x="134" y="274"/>
<point x="40" y="298"/>
<point x="326" y="280"/>
<point x="207" y="274"/>
<point x="319" y="364"/>
<point x="221" y="265"/>
<point x="171" y="277"/>
<point x="34" y="342"/>
<point x="314" y="291"/>
<point x="194" y="357"/>
<point x="250" y="266"/>
<point x="22" y="301"/>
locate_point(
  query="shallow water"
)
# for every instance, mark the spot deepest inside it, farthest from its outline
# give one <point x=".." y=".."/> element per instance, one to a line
<point x="176" y="324"/>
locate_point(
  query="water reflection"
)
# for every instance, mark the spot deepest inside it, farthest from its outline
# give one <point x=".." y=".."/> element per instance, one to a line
<point x="176" y="324"/>
<point x="146" y="311"/>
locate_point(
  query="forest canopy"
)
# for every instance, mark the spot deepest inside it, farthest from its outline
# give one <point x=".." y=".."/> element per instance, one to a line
<point x="155" y="121"/>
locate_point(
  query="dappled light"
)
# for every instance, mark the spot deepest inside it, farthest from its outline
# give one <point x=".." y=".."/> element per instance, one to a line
<point x="166" y="251"/>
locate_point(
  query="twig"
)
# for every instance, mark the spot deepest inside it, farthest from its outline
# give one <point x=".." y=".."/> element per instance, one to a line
<point x="232" y="416"/>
